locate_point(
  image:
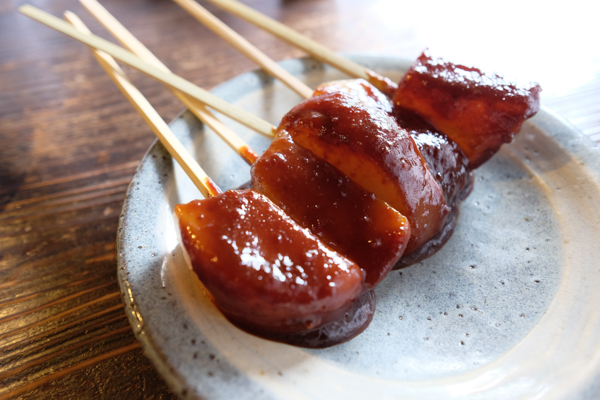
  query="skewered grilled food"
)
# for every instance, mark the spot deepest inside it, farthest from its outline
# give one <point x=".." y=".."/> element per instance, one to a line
<point x="362" y="185"/>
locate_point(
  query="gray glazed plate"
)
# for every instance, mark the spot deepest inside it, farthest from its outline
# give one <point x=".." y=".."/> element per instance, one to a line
<point x="507" y="309"/>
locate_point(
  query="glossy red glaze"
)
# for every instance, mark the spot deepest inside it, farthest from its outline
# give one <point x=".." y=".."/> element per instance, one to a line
<point x="344" y="216"/>
<point x="369" y="147"/>
<point x="479" y="111"/>
<point x="262" y="269"/>
<point x="359" y="88"/>
<point x="443" y="156"/>
<point x="445" y="160"/>
<point x="345" y="324"/>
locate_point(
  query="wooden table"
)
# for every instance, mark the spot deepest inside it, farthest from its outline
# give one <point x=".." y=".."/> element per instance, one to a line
<point x="70" y="143"/>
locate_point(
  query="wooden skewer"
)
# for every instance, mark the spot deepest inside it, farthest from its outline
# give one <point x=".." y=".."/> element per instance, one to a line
<point x="131" y="43"/>
<point x="313" y="48"/>
<point x="206" y="186"/>
<point x="170" y="80"/>
<point x="237" y="41"/>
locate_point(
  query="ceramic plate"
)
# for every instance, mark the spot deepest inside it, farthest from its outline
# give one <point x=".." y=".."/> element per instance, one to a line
<point x="507" y="309"/>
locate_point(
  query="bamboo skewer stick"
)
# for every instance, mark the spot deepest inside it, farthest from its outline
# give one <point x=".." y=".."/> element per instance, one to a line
<point x="131" y="43"/>
<point x="313" y="48"/>
<point x="206" y="186"/>
<point x="170" y="80"/>
<point x="245" y="47"/>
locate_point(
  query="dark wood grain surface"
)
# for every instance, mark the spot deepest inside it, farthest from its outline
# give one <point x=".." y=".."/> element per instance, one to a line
<point x="70" y="143"/>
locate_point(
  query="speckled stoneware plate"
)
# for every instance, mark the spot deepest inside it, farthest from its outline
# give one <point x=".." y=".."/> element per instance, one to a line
<point x="508" y="309"/>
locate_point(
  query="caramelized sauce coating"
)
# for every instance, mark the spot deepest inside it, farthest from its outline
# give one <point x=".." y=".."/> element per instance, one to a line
<point x="347" y="323"/>
<point x="344" y="216"/>
<point x="443" y="156"/>
<point x="444" y="159"/>
<point x="357" y="88"/>
<point x="438" y="241"/>
<point x="479" y="111"/>
<point x="266" y="273"/>
<point x="368" y="146"/>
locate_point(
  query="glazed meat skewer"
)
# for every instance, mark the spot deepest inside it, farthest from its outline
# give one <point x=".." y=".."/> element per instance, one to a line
<point x="359" y="226"/>
<point x="477" y="113"/>
<point x="301" y="321"/>
<point x="267" y="275"/>
<point x="400" y="233"/>
<point x="426" y="219"/>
